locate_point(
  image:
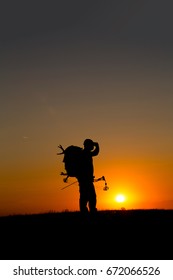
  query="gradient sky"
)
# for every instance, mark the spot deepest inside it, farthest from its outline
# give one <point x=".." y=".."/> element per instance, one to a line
<point x="71" y="70"/>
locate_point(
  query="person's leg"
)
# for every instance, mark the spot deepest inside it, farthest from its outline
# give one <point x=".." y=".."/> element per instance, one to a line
<point x="83" y="197"/>
<point x="83" y="203"/>
<point x="92" y="199"/>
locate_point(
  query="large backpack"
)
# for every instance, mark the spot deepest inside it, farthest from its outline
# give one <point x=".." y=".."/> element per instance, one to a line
<point x="72" y="160"/>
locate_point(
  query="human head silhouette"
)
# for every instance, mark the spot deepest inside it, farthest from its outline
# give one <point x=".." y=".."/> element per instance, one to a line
<point x="88" y="144"/>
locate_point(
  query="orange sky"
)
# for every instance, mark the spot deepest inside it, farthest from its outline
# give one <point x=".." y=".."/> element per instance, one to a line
<point x="102" y="72"/>
<point x="35" y="188"/>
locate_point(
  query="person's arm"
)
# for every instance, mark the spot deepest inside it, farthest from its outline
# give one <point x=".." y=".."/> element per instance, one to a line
<point x="96" y="150"/>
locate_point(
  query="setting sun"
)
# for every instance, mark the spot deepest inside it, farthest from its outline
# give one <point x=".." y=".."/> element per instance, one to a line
<point x="120" y="198"/>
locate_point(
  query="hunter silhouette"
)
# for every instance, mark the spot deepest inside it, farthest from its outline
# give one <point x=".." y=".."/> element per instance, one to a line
<point x="87" y="199"/>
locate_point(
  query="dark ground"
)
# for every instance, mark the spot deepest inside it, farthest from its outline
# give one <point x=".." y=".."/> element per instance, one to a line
<point x="116" y="235"/>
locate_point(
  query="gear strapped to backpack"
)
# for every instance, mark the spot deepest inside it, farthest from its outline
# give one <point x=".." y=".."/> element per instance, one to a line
<point x="72" y="163"/>
<point x="72" y="160"/>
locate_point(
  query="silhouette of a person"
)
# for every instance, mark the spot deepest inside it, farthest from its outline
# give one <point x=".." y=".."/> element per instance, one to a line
<point x="87" y="199"/>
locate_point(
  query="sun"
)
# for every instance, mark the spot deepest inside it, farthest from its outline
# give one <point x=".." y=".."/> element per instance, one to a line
<point x="120" y="198"/>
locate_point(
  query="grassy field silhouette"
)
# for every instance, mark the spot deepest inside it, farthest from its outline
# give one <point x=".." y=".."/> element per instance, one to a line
<point x="111" y="234"/>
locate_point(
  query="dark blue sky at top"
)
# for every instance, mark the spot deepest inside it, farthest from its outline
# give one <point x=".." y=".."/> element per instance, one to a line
<point x="51" y="50"/>
<point x="145" y="23"/>
<point x="61" y="35"/>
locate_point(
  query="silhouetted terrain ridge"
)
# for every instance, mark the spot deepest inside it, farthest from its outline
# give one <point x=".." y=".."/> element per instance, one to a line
<point x="129" y="234"/>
